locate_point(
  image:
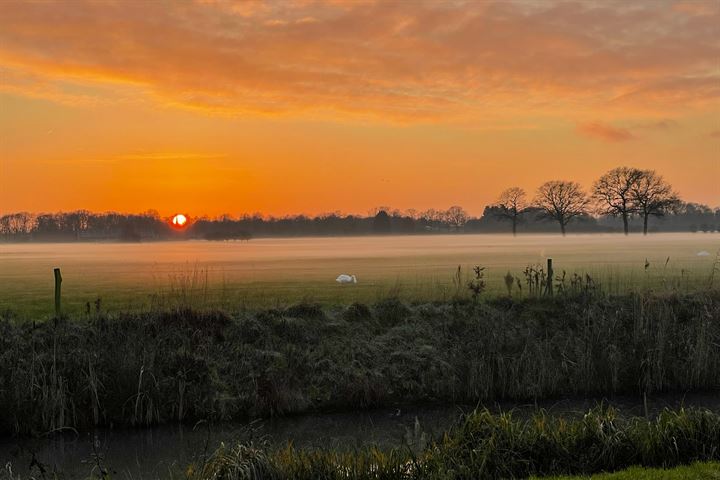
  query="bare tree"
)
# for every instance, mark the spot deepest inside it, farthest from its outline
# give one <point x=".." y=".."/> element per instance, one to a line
<point x="431" y="215"/>
<point x="456" y="217"/>
<point x="613" y="193"/>
<point x="412" y="213"/>
<point x="562" y="201"/>
<point x="653" y="196"/>
<point x="17" y="223"/>
<point x="511" y="206"/>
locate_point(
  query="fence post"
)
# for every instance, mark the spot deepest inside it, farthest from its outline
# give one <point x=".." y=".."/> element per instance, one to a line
<point x="549" y="277"/>
<point x="58" y="281"/>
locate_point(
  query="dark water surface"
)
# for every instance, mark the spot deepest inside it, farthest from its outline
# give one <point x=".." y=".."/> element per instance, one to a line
<point x="155" y="452"/>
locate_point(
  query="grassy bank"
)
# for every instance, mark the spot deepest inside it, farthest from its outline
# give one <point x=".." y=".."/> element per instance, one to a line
<point x="489" y="446"/>
<point x="696" y="471"/>
<point x="144" y="369"/>
<point x="601" y="444"/>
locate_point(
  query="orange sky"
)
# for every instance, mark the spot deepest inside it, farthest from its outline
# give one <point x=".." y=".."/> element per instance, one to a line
<point x="215" y="106"/>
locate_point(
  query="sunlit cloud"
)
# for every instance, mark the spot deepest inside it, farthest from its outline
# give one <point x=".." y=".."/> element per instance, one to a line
<point x="420" y="62"/>
<point x="697" y="7"/>
<point x="64" y="91"/>
<point x="161" y="156"/>
<point x="664" y="124"/>
<point x="605" y="132"/>
<point x="629" y="131"/>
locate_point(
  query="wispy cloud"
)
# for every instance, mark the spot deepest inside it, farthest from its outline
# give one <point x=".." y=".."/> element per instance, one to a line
<point x="696" y="7"/>
<point x="605" y="132"/>
<point x="162" y="156"/>
<point x="664" y="124"/>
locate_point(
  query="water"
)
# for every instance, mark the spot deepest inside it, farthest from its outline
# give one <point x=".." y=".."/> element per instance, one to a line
<point x="265" y="272"/>
<point x="152" y="453"/>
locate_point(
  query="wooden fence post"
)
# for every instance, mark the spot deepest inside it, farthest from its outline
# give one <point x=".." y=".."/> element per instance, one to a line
<point x="549" y="277"/>
<point x="58" y="281"/>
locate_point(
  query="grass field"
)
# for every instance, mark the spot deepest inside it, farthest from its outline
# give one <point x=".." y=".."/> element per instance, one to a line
<point x="280" y="272"/>
<point x="696" y="471"/>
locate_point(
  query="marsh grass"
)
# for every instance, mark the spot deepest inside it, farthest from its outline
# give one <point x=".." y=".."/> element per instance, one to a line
<point x="484" y="445"/>
<point x="676" y="444"/>
<point x="187" y="365"/>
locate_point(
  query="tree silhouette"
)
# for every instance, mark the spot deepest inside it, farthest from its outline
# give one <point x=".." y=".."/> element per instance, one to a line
<point x="381" y="222"/>
<point x="613" y="193"/>
<point x="562" y="201"/>
<point x="653" y="196"/>
<point x="512" y="204"/>
<point x="456" y="217"/>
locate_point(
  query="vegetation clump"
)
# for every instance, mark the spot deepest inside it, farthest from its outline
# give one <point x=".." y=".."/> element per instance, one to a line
<point x="391" y="311"/>
<point x="357" y="312"/>
<point x="186" y="365"/>
<point x="484" y="445"/>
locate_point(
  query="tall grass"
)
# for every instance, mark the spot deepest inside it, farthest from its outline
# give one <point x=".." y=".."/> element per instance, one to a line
<point x="187" y="365"/>
<point x="489" y="446"/>
<point x="187" y="287"/>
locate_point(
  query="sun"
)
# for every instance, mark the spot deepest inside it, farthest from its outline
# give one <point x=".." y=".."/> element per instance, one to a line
<point x="179" y="220"/>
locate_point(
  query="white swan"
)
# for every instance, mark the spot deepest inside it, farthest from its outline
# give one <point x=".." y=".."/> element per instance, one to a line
<point x="342" y="278"/>
<point x="703" y="254"/>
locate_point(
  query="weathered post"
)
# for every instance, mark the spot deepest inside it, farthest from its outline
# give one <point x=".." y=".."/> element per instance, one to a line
<point x="549" y="277"/>
<point x="58" y="281"/>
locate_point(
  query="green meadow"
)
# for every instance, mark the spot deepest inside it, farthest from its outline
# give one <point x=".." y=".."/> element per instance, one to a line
<point x="266" y="273"/>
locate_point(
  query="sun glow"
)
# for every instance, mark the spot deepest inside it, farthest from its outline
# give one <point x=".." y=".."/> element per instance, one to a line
<point x="179" y="220"/>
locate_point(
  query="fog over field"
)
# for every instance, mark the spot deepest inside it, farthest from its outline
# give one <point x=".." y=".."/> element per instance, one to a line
<point x="271" y="272"/>
<point x="359" y="239"/>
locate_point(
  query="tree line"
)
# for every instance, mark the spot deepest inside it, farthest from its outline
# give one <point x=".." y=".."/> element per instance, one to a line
<point x="622" y="192"/>
<point x="617" y="200"/>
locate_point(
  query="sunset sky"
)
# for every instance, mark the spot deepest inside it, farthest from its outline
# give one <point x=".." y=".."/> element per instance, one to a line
<point x="213" y="106"/>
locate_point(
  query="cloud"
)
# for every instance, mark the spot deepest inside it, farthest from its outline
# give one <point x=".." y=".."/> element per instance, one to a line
<point x="81" y="93"/>
<point x="424" y="61"/>
<point x="697" y="7"/>
<point x="659" y="125"/>
<point x="605" y="132"/>
<point x="176" y="156"/>
<point x="673" y="91"/>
